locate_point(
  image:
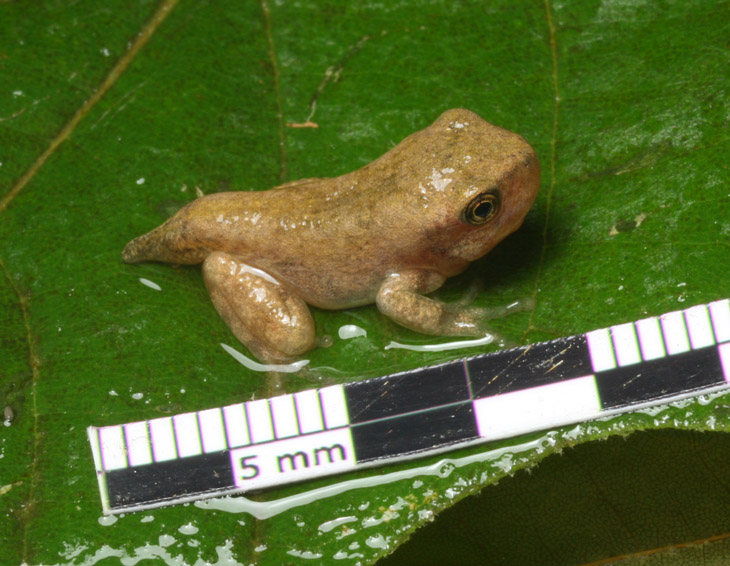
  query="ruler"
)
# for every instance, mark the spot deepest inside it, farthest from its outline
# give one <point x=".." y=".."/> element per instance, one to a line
<point x="332" y="430"/>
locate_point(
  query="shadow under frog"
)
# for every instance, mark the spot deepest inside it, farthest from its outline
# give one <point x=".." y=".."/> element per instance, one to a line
<point x="388" y="234"/>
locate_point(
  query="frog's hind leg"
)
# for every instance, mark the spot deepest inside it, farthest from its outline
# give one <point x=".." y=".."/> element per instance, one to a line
<point x="273" y="323"/>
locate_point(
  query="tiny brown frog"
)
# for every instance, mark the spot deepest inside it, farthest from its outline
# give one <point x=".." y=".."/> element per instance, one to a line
<point x="388" y="234"/>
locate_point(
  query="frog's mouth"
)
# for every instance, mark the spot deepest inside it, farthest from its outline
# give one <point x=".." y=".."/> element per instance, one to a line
<point x="469" y="249"/>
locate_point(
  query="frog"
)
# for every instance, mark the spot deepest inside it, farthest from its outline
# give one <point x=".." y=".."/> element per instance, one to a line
<point x="389" y="233"/>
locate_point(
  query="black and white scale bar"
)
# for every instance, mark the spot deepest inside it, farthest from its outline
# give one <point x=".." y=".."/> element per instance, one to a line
<point x="290" y="438"/>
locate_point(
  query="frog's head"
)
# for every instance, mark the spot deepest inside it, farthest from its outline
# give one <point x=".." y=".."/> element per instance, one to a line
<point x="467" y="184"/>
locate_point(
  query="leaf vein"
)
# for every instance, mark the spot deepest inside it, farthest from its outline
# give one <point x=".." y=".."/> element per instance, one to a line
<point x="34" y="365"/>
<point x="553" y="142"/>
<point x="283" y="171"/>
<point x="142" y="38"/>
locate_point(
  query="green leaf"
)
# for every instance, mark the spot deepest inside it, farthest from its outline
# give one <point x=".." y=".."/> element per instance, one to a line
<point x="112" y="114"/>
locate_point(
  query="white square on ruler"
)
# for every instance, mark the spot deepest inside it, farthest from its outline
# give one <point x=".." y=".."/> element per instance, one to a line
<point x="720" y="313"/>
<point x="187" y="435"/>
<point x="334" y="406"/>
<point x="211" y="429"/>
<point x="675" y="332"/>
<point x="113" y="449"/>
<point x="309" y="411"/>
<point x="625" y="344"/>
<point x="293" y="459"/>
<point x="163" y="439"/>
<point x="650" y="338"/>
<point x="699" y="327"/>
<point x="138" y="443"/>
<point x="538" y="408"/>
<point x="725" y="360"/>
<point x="259" y="420"/>
<point x="285" y="416"/>
<point x="601" y="349"/>
<point x="236" y="425"/>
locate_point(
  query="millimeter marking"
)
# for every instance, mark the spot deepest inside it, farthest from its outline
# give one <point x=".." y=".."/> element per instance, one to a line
<point x="332" y="430"/>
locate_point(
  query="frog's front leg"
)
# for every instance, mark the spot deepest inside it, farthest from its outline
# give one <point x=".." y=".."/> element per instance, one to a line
<point x="401" y="299"/>
<point x="272" y="322"/>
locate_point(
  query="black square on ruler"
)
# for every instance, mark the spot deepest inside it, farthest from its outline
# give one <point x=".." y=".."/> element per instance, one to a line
<point x="529" y="366"/>
<point x="165" y="480"/>
<point x="664" y="377"/>
<point x="415" y="432"/>
<point x="415" y="390"/>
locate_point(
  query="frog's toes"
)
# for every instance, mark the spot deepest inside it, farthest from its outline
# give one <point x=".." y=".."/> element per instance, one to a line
<point x="473" y="321"/>
<point x="470" y="295"/>
<point x="524" y="304"/>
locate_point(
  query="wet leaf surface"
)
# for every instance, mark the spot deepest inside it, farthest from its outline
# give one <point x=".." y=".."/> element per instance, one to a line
<point x="113" y="114"/>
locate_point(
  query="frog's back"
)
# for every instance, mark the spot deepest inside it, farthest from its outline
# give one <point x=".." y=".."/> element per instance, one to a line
<point x="284" y="221"/>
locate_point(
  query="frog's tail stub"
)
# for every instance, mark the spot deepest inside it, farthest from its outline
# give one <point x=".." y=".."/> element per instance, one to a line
<point x="141" y="249"/>
<point x="168" y="243"/>
<point x="189" y="236"/>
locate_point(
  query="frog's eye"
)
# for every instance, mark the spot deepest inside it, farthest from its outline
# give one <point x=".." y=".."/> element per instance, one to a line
<point x="482" y="208"/>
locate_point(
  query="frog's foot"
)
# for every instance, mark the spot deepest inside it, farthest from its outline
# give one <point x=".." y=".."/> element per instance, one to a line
<point x="273" y="323"/>
<point x="401" y="299"/>
<point x="520" y="305"/>
<point x="472" y="292"/>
